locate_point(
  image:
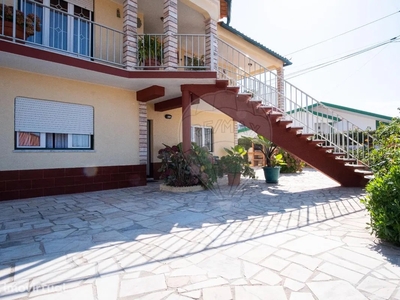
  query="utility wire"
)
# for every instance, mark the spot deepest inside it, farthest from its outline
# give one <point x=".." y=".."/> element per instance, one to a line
<point x="342" y="33"/>
<point x="360" y="67"/>
<point x="328" y="63"/>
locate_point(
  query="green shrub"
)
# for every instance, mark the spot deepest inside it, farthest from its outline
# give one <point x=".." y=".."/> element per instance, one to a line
<point x="383" y="204"/>
<point x="383" y="191"/>
<point x="293" y="164"/>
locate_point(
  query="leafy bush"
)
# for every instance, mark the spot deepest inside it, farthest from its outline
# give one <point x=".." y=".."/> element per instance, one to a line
<point x="383" y="191"/>
<point x="293" y="164"/>
<point x="193" y="168"/>
<point x="235" y="162"/>
<point x="246" y="144"/>
<point x="383" y="204"/>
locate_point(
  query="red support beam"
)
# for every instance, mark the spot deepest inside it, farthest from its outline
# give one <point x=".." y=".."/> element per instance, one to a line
<point x="186" y="121"/>
<point x="150" y="93"/>
<point x="168" y="104"/>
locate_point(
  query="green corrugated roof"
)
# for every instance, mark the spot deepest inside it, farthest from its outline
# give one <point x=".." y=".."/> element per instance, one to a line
<point x="286" y="62"/>
<point x="358" y="111"/>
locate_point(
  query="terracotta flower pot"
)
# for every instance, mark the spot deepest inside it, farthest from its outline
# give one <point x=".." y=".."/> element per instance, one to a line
<point x="8" y="30"/>
<point x="233" y="179"/>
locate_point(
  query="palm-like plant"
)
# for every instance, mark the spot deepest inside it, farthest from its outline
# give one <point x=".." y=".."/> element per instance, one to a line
<point x="270" y="151"/>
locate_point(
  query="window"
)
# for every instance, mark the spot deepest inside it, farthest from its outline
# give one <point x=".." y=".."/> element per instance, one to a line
<point x="203" y="137"/>
<point x="43" y="124"/>
<point x="69" y="26"/>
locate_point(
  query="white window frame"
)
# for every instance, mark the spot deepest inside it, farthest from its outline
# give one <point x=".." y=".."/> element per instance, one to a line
<point x="37" y="116"/>
<point x="70" y="146"/>
<point x="193" y="139"/>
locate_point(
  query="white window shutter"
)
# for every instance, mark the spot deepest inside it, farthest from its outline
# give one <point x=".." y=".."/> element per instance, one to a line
<point x="33" y="115"/>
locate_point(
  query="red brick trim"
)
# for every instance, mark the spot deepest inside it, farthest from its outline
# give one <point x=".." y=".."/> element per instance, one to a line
<point x="46" y="182"/>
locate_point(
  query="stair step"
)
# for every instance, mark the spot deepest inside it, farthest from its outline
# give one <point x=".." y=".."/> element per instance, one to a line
<point x="265" y="108"/>
<point x="315" y="142"/>
<point x="337" y="154"/>
<point x="365" y="172"/>
<point x="274" y="116"/>
<point x="356" y="166"/>
<point x="294" y="128"/>
<point x="284" y="122"/>
<point x="346" y="159"/>
<point x="306" y="135"/>
<point x="369" y="177"/>
<point x="222" y="83"/>
<point x="234" y="89"/>
<point x="326" y="148"/>
<point x="258" y="102"/>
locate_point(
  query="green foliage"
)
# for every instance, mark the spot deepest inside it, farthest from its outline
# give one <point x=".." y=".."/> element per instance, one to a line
<point x="383" y="204"/>
<point x="195" y="62"/>
<point x="234" y="162"/>
<point x="386" y="152"/>
<point x="193" y="168"/>
<point x="149" y="47"/>
<point x="293" y="164"/>
<point x="383" y="191"/>
<point x="246" y="144"/>
<point x="270" y="151"/>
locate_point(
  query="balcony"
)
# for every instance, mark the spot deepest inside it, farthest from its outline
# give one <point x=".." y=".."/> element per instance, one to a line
<point x="56" y="29"/>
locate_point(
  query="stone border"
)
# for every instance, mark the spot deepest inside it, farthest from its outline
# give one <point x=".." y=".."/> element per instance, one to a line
<point x="183" y="189"/>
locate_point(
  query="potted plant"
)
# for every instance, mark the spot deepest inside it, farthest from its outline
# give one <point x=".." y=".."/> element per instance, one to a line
<point x="195" y="63"/>
<point x="150" y="51"/>
<point x="28" y="23"/>
<point x="182" y="170"/>
<point x="273" y="159"/>
<point x="235" y="165"/>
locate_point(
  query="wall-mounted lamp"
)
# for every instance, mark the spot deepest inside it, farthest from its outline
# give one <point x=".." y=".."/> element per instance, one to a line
<point x="168" y="116"/>
<point x="118" y="13"/>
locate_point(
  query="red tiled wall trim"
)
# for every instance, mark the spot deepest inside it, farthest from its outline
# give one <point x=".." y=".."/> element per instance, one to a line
<point x="20" y="184"/>
<point x="156" y="167"/>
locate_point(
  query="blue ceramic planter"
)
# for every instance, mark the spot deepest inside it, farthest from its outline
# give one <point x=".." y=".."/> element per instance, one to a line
<point x="271" y="174"/>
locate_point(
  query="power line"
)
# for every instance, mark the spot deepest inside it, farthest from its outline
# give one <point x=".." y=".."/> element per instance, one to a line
<point x="328" y="63"/>
<point x="342" y="33"/>
<point x="360" y="67"/>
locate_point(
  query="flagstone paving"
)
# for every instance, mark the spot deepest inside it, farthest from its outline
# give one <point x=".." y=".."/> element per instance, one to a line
<point x="302" y="239"/>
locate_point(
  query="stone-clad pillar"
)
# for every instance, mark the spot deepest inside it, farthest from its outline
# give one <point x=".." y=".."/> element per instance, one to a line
<point x="281" y="88"/>
<point x="130" y="61"/>
<point x="130" y="31"/>
<point x="211" y="44"/>
<point x="143" y="133"/>
<point x="170" y="32"/>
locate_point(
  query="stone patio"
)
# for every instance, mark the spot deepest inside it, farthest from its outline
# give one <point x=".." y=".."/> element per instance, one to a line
<point x="302" y="239"/>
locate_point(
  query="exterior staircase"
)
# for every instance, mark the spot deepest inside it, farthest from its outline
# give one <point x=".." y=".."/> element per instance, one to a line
<point x="274" y="108"/>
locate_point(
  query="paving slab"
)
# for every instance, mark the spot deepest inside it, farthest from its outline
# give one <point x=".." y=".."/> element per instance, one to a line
<point x="301" y="239"/>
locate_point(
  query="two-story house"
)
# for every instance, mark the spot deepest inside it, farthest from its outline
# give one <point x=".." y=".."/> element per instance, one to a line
<point x="92" y="89"/>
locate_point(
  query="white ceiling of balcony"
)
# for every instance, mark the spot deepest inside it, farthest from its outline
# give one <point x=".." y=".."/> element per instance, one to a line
<point x="189" y="20"/>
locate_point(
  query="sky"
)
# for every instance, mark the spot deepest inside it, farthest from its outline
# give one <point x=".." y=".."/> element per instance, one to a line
<point x="370" y="81"/>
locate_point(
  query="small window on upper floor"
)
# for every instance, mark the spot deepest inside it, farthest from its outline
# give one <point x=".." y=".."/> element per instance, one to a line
<point x="43" y="124"/>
